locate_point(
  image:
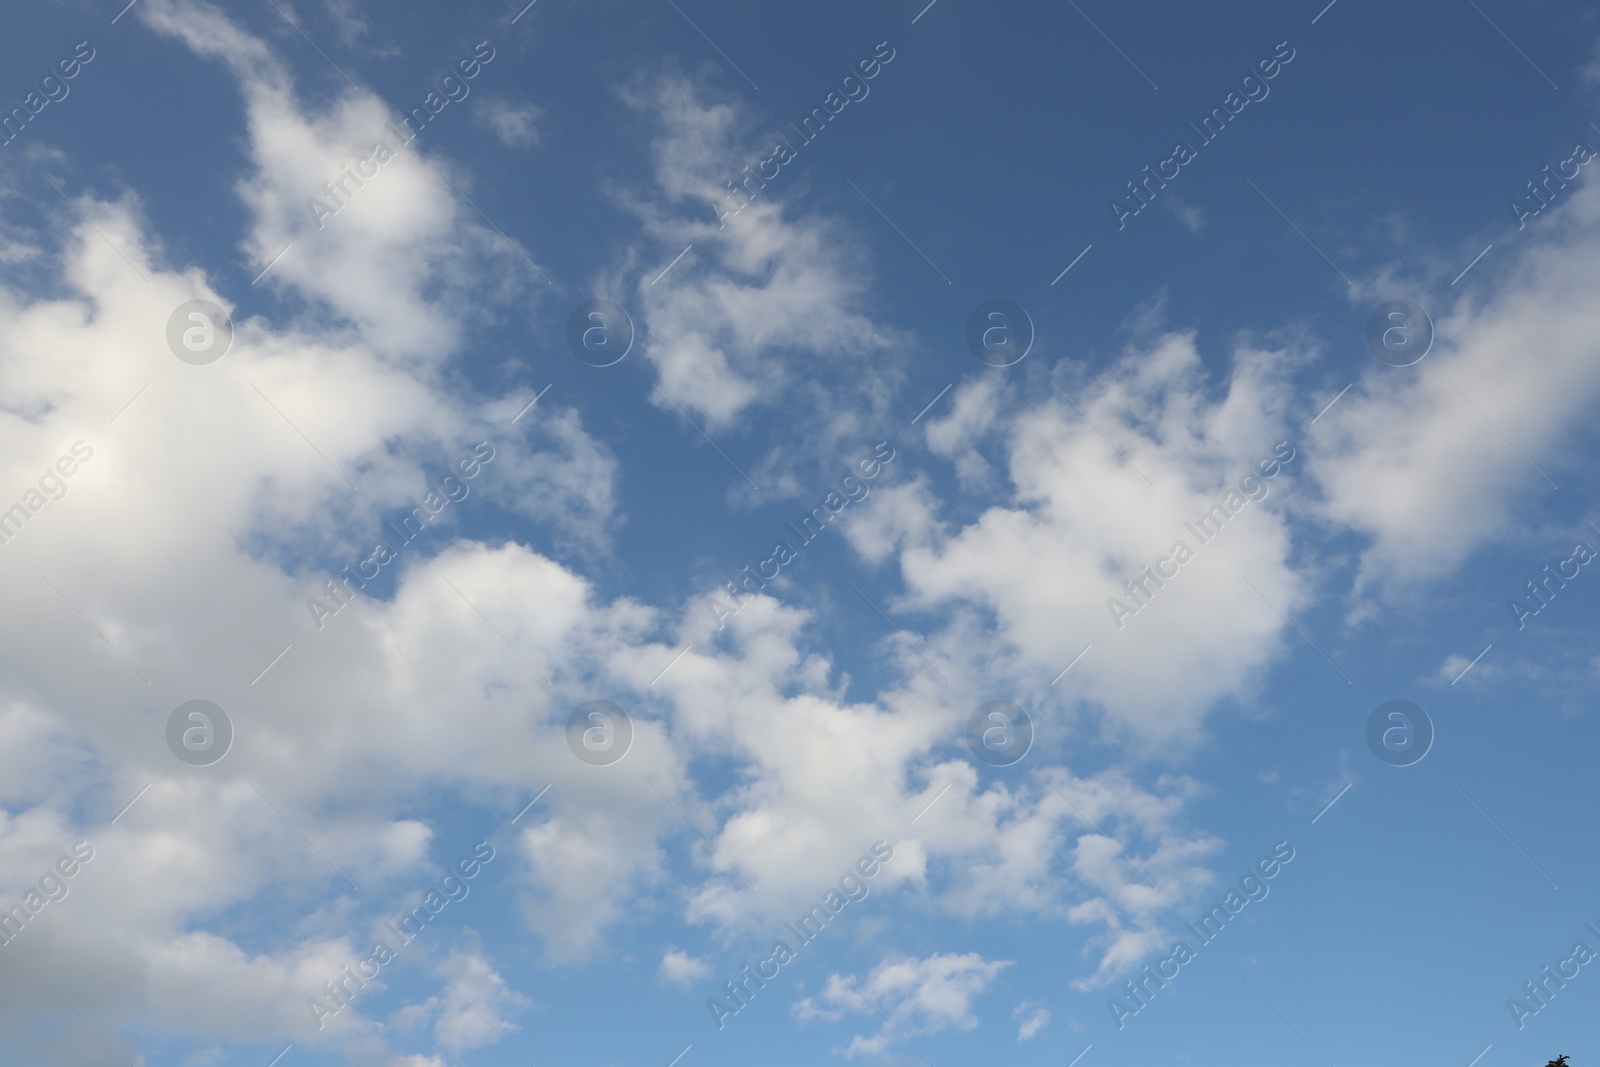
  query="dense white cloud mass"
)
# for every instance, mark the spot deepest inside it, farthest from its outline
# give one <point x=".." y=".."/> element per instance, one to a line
<point x="1085" y="519"/>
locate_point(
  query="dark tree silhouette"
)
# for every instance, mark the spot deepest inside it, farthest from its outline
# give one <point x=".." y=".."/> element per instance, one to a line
<point x="1559" y="1061"/>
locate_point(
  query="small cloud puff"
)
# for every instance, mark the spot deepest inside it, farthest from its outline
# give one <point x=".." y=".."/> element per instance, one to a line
<point x="919" y="996"/>
<point x="1038" y="1017"/>
<point x="682" y="969"/>
<point x="515" y="124"/>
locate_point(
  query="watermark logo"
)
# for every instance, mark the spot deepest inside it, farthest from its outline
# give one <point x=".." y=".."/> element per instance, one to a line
<point x="999" y="733"/>
<point x="999" y="332"/>
<point x="599" y="733"/>
<point x="199" y="733"/>
<point x="600" y="333"/>
<point x="1399" y="733"/>
<point x="199" y="332"/>
<point x="1399" y="332"/>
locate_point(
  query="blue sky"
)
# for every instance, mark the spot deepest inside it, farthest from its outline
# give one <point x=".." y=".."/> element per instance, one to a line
<point x="179" y="526"/>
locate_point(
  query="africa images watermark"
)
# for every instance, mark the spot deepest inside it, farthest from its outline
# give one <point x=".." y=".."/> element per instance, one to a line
<point x="340" y="992"/>
<point x="852" y="886"/>
<point x="1540" y="993"/>
<point x="850" y="489"/>
<point x="52" y="887"/>
<point x="340" y="592"/>
<point x="855" y="90"/>
<point x="52" y="486"/>
<point x="1140" y="591"/>
<point x="53" y="88"/>
<point x="1252" y="888"/>
<point x="1211" y="126"/>
<point x="339" y="191"/>
<point x="1540" y="594"/>
<point x="1543" y="192"/>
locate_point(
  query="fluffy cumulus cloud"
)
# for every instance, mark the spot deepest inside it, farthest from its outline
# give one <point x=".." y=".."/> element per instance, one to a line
<point x="1138" y="520"/>
<point x="472" y="1009"/>
<point x="828" y="777"/>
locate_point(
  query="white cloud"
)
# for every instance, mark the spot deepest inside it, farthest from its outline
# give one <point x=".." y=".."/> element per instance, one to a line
<point x="187" y="540"/>
<point x="1081" y="520"/>
<point x="972" y="417"/>
<point x="352" y="27"/>
<point x="682" y="969"/>
<point x="516" y="125"/>
<point x="919" y="996"/>
<point x="181" y="596"/>
<point x="902" y="515"/>
<point x="199" y="529"/>
<point x="1189" y="217"/>
<point x="1038" y="1018"/>
<point x="213" y="497"/>
<point x="1414" y="458"/>
<point x="768" y="302"/>
<point x="472" y="1009"/>
<point x="403" y="260"/>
